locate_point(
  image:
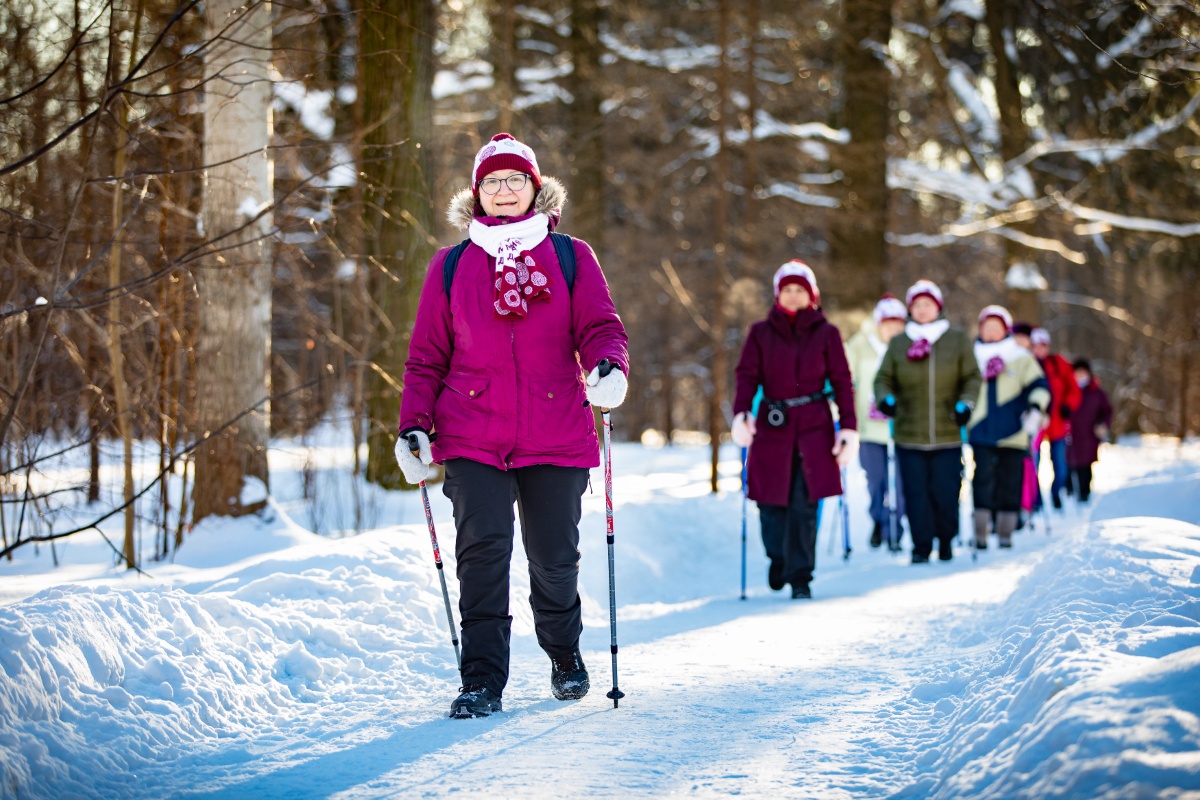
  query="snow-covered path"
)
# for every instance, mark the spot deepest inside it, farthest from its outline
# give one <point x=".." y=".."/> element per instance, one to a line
<point x="1065" y="667"/>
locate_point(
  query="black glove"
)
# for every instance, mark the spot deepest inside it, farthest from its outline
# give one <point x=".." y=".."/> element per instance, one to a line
<point x="962" y="413"/>
<point x="887" y="406"/>
<point x="1064" y="411"/>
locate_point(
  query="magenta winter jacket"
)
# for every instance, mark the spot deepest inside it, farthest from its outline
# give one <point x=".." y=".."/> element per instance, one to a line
<point x="509" y="392"/>
<point x="793" y="362"/>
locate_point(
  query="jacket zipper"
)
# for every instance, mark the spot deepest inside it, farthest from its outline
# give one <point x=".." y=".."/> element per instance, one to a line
<point x="932" y="360"/>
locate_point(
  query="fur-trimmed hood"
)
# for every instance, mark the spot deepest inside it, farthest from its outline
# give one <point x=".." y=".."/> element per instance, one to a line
<point x="550" y="200"/>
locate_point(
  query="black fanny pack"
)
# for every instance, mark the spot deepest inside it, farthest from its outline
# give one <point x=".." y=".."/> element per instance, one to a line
<point x="777" y="409"/>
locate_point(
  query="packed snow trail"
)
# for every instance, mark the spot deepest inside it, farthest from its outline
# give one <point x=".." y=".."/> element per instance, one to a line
<point x="1063" y="668"/>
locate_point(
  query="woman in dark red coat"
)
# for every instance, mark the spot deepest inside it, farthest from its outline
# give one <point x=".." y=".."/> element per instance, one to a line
<point x="1090" y="424"/>
<point x="794" y="456"/>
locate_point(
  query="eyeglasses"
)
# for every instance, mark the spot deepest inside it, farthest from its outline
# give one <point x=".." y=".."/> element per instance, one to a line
<point x="515" y="183"/>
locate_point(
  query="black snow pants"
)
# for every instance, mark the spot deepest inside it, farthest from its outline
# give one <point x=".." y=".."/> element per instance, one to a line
<point x="790" y="532"/>
<point x="548" y="499"/>
<point x="932" y="480"/>
<point x="999" y="475"/>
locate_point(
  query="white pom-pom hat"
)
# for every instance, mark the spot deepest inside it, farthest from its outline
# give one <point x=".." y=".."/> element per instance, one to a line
<point x="1000" y="313"/>
<point x="923" y="288"/>
<point x="796" y="271"/>
<point x="889" y="307"/>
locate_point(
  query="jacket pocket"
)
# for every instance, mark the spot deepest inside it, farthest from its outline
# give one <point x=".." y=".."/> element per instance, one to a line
<point x="558" y="419"/>
<point x="463" y="409"/>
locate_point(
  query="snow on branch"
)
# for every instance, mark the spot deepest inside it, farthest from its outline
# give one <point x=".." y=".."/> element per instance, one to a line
<point x="1097" y="151"/>
<point x="1125" y="222"/>
<point x="794" y="192"/>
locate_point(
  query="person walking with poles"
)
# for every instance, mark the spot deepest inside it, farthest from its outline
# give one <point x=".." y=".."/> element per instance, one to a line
<point x="1010" y="411"/>
<point x="929" y="381"/>
<point x="507" y="327"/>
<point x="1091" y="424"/>
<point x="1064" y="399"/>
<point x="864" y="351"/>
<point x="794" y="455"/>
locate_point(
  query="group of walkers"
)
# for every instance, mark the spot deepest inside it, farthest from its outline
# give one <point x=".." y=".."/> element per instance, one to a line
<point x="516" y="334"/>
<point x="919" y="389"/>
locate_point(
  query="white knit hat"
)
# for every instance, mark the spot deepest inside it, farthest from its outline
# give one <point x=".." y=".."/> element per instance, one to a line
<point x="1000" y="313"/>
<point x="1039" y="336"/>
<point x="889" y="307"/>
<point x="796" y="271"/>
<point x="923" y="287"/>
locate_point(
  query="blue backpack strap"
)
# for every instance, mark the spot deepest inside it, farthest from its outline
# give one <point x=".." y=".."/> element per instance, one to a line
<point x="451" y="264"/>
<point x="564" y="248"/>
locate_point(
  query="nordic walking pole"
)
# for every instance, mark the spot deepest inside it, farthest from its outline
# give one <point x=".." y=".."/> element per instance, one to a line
<point x="974" y="545"/>
<point x="892" y="494"/>
<point x="843" y="510"/>
<point x="414" y="446"/>
<point x="616" y="694"/>
<point x="745" y="452"/>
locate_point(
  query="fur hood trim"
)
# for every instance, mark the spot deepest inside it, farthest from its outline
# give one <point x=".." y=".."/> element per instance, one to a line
<point x="550" y="200"/>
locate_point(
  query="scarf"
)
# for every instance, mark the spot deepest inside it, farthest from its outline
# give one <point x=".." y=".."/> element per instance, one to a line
<point x="993" y="357"/>
<point x="519" y="278"/>
<point x="924" y="337"/>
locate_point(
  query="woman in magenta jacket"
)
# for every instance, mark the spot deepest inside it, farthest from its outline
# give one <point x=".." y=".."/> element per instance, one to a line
<point x="795" y="457"/>
<point x="497" y="369"/>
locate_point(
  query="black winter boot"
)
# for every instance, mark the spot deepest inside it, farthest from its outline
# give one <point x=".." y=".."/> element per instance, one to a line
<point x="568" y="676"/>
<point x="775" y="575"/>
<point x="475" y="701"/>
<point x="801" y="591"/>
<point x="877" y="535"/>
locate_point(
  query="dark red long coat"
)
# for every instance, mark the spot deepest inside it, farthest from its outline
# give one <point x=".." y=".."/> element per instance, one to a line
<point x="793" y="361"/>
<point x="1083" y="446"/>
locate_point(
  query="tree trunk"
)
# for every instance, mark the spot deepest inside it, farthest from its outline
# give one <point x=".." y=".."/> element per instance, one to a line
<point x="720" y="356"/>
<point x="234" y="280"/>
<point x="397" y="96"/>
<point x="115" y="348"/>
<point x="586" y="127"/>
<point x="858" y="249"/>
<point x="504" y="60"/>
<point x="1024" y="303"/>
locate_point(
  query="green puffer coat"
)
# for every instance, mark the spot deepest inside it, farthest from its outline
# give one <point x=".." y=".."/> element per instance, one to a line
<point x="927" y="390"/>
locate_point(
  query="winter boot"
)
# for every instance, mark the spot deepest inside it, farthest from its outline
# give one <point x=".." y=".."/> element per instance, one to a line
<point x="475" y="701"/>
<point x="1006" y="522"/>
<point x="568" y="676"/>
<point x="877" y="535"/>
<point x="918" y="558"/>
<point x="775" y="575"/>
<point x="983" y="521"/>
<point x="801" y="591"/>
<point x="945" y="549"/>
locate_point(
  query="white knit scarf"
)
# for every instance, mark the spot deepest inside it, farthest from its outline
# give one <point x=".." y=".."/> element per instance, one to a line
<point x="930" y="331"/>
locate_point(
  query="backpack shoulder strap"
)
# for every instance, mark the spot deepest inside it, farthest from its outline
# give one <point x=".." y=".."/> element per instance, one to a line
<point x="451" y="264"/>
<point x="564" y="248"/>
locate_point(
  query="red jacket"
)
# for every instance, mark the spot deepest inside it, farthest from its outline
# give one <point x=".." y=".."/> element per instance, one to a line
<point x="1063" y="391"/>
<point x="791" y="362"/>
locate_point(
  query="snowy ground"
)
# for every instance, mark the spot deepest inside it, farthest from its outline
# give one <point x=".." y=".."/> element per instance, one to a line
<point x="268" y="662"/>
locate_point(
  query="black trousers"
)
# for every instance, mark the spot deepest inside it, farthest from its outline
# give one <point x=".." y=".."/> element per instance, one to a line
<point x="790" y="532"/>
<point x="548" y="499"/>
<point x="1081" y="481"/>
<point x="932" y="480"/>
<point x="999" y="473"/>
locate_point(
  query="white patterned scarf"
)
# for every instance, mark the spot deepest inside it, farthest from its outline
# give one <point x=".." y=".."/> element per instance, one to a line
<point x="519" y="278"/>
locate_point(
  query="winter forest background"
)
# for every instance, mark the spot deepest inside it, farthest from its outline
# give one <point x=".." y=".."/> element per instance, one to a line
<point x="215" y="216"/>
